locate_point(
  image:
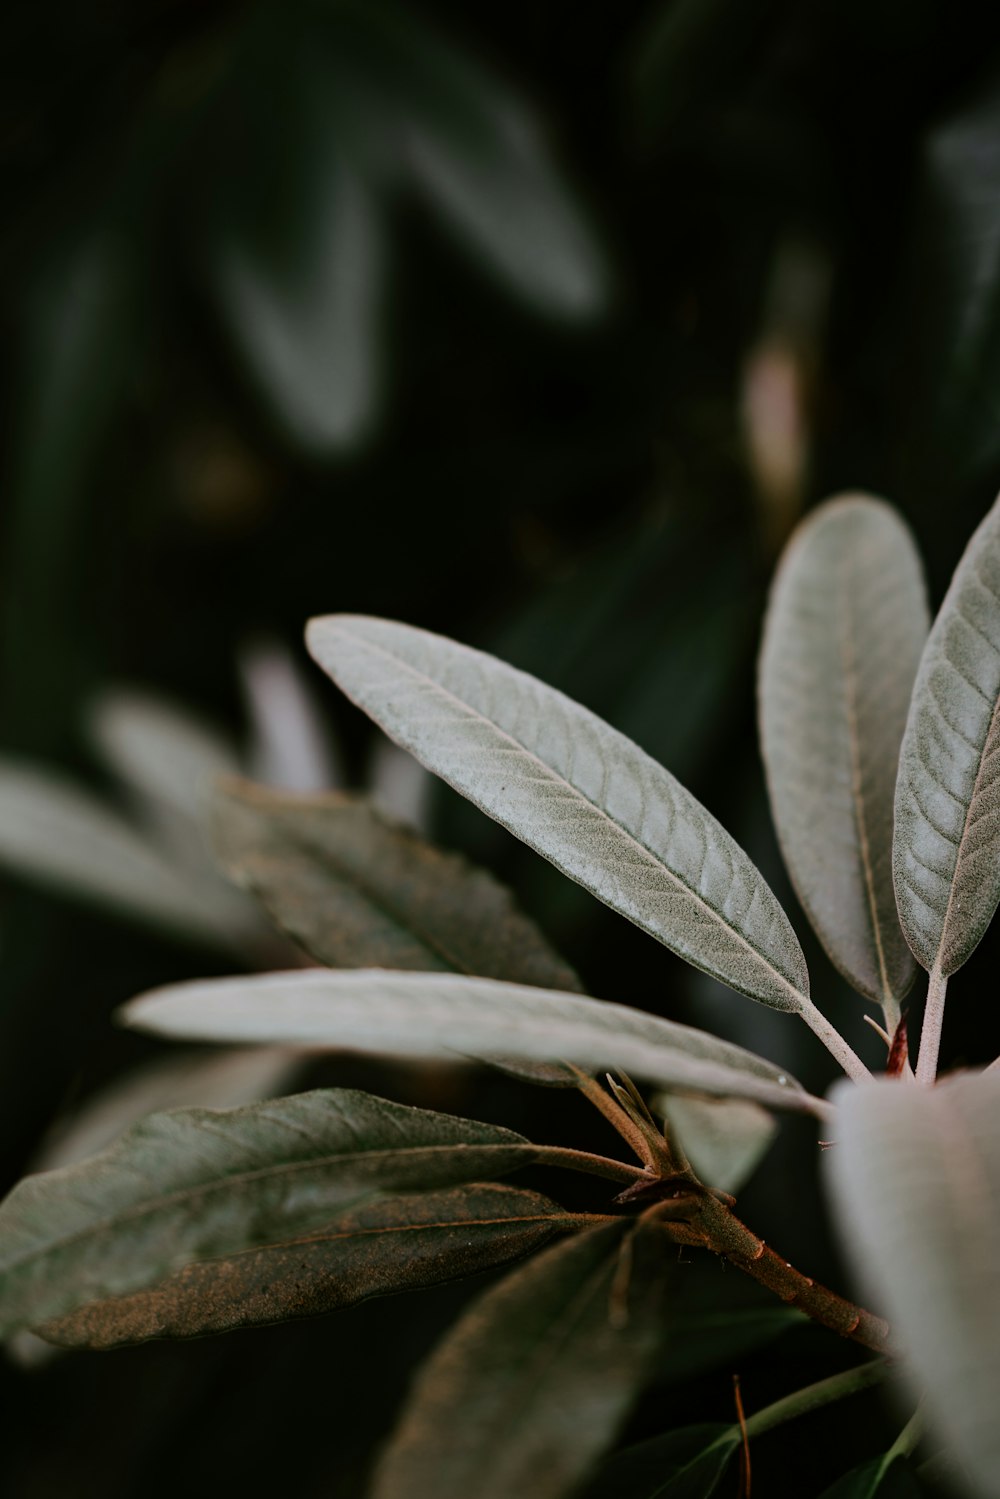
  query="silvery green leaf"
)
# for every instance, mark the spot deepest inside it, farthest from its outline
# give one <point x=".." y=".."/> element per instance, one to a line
<point x="449" y="1015"/>
<point x="199" y="1183"/>
<point x="915" y="1181"/>
<point x="578" y="792"/>
<point x="536" y="1377"/>
<point x="725" y="1139"/>
<point x="946" y="851"/>
<point x="845" y="627"/>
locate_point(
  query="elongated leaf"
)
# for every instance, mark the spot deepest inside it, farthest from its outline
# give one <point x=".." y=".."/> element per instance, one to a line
<point x="475" y="151"/>
<point x="885" y="1477"/>
<point x="543" y="1369"/>
<point x="199" y="1183"/>
<point x="946" y="853"/>
<point x="725" y="1139"/>
<point x="290" y="745"/>
<point x="450" y="1015"/>
<point x="915" y="1178"/>
<point x="295" y="248"/>
<point x="386" y="1245"/>
<point x="846" y="624"/>
<point x="185" y="1079"/>
<point x="575" y="790"/>
<point x="54" y="832"/>
<point x="684" y="1464"/>
<point x="357" y="890"/>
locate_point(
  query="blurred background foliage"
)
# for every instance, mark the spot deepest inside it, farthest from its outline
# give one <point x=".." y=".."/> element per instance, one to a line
<point x="536" y="325"/>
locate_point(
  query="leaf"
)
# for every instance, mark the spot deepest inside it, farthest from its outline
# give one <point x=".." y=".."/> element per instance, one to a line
<point x="700" y="1342"/>
<point x="381" y="1247"/>
<point x="218" y="1080"/>
<point x="54" y="832"/>
<point x="162" y="752"/>
<point x="356" y="890"/>
<point x="542" y="1369"/>
<point x="449" y="1015"/>
<point x="915" y="1181"/>
<point x="199" y="1183"/>
<point x="845" y="627"/>
<point x="295" y="248"/>
<point x="946" y="852"/>
<point x="474" y="149"/>
<point x="684" y="1464"/>
<point x="887" y="1477"/>
<point x="290" y="745"/>
<point x="724" y="1139"/>
<point x="576" y="791"/>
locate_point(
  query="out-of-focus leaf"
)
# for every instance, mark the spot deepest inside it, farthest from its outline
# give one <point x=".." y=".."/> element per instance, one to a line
<point x="290" y="746"/>
<point x="846" y="624"/>
<point x="82" y="324"/>
<point x="474" y="149"/>
<point x="357" y="890"/>
<point x="451" y="1015"/>
<point x="542" y="1368"/>
<point x="52" y="831"/>
<point x="400" y="786"/>
<point x="216" y="1080"/>
<point x="725" y="1139"/>
<point x="199" y="1183"/>
<point x="946" y="851"/>
<point x="961" y="187"/>
<point x="387" y="1245"/>
<point x="685" y="1464"/>
<point x="885" y="1477"/>
<point x="295" y="246"/>
<point x="687" y="49"/>
<point x="165" y="754"/>
<point x="915" y="1179"/>
<point x="702" y="1341"/>
<point x="576" y="791"/>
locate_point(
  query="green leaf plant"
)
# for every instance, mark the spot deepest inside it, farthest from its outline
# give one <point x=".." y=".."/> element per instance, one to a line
<point x="880" y="746"/>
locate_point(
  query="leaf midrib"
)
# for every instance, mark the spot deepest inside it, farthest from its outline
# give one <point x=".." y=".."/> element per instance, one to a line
<point x="849" y="664"/>
<point x="803" y="1000"/>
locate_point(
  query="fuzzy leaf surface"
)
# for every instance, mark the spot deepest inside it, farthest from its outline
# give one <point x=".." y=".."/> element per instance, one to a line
<point x="198" y="1183"/>
<point x="450" y="1015"/>
<point x="575" y="790"/>
<point x="846" y="624"/>
<point x="358" y="890"/>
<point x="946" y="851"/>
<point x="915" y="1179"/>
<point x="543" y="1369"/>
<point x="386" y="1245"/>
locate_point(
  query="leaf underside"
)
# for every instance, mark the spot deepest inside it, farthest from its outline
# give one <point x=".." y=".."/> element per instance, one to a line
<point x="915" y="1177"/>
<point x="846" y="623"/>
<point x="357" y="890"/>
<point x="449" y="1015"/>
<point x="387" y="1245"/>
<point x="575" y="790"/>
<point x="946" y="852"/>
<point x="198" y="1183"/>
<point x="542" y="1368"/>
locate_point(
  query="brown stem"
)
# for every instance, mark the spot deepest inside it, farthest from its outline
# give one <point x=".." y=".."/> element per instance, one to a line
<point x="703" y="1218"/>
